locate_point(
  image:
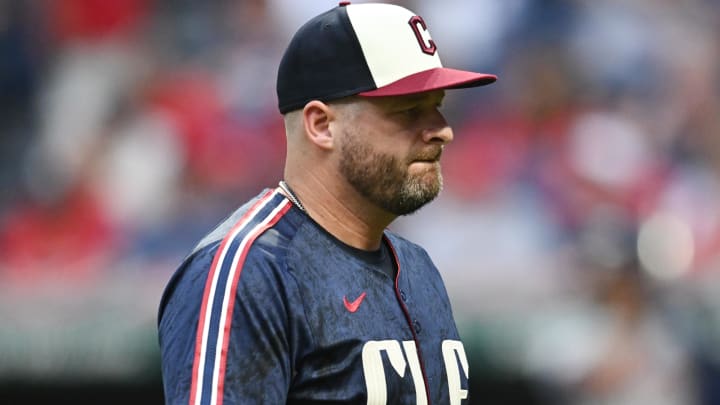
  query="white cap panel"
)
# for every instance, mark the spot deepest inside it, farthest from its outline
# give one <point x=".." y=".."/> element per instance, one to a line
<point x="395" y="51"/>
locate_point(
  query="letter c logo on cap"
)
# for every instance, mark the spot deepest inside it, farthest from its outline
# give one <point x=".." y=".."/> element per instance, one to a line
<point x="426" y="43"/>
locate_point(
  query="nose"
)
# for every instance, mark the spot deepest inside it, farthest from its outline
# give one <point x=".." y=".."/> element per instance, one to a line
<point x="439" y="132"/>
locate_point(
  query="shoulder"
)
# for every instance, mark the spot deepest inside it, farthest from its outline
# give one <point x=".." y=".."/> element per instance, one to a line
<point x="253" y="238"/>
<point x="259" y="213"/>
<point x="399" y="240"/>
<point x="404" y="248"/>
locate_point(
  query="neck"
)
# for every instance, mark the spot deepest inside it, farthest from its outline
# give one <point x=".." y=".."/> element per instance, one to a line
<point x="341" y="211"/>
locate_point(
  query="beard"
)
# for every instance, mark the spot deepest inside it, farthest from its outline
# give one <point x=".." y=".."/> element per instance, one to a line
<point x="385" y="180"/>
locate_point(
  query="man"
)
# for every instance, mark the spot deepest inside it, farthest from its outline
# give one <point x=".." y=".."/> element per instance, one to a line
<point x="302" y="295"/>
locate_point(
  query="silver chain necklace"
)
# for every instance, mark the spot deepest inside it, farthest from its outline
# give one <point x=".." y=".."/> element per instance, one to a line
<point x="290" y="195"/>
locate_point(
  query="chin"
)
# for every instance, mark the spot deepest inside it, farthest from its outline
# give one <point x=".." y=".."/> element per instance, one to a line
<point x="430" y="180"/>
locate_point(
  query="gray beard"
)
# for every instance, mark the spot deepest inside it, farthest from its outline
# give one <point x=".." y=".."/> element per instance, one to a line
<point x="384" y="180"/>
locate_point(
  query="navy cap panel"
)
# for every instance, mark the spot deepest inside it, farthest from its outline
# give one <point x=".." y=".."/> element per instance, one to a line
<point x="324" y="61"/>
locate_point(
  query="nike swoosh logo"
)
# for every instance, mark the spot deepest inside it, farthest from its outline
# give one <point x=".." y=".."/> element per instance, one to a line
<point x="353" y="306"/>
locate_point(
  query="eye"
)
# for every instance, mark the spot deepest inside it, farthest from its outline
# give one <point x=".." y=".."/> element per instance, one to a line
<point x="414" y="113"/>
<point x="404" y="111"/>
<point x="414" y="110"/>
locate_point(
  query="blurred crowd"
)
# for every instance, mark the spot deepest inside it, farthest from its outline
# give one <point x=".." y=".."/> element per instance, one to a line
<point x="579" y="228"/>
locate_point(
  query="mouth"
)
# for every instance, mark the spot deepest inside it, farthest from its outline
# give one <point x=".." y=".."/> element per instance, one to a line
<point x="426" y="160"/>
<point x="432" y="157"/>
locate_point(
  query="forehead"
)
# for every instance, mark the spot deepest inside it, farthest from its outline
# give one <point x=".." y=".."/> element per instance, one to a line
<point x="353" y="105"/>
<point x="429" y="97"/>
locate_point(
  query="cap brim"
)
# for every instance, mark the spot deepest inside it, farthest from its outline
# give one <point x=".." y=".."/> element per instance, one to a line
<point x="432" y="79"/>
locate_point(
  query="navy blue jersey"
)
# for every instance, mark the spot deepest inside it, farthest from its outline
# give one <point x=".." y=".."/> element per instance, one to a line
<point x="270" y="308"/>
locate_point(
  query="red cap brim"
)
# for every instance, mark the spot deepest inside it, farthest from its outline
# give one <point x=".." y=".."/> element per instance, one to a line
<point x="432" y="79"/>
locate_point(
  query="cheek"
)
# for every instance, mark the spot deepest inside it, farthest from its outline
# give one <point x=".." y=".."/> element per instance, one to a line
<point x="399" y="145"/>
<point x="387" y="150"/>
<point x="368" y="139"/>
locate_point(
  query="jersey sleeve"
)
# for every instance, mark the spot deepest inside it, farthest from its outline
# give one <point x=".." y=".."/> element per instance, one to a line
<point x="236" y="348"/>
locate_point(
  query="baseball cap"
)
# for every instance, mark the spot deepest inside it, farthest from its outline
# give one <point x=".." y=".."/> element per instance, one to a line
<point x="369" y="49"/>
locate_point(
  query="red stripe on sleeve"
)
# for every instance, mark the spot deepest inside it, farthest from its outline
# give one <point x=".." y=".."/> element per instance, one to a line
<point x="231" y="304"/>
<point x="208" y="286"/>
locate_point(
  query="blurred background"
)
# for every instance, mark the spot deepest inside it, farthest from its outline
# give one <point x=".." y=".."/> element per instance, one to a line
<point x="578" y="233"/>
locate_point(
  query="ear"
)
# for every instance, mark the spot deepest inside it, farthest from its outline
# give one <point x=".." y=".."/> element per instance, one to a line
<point x="316" y="119"/>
